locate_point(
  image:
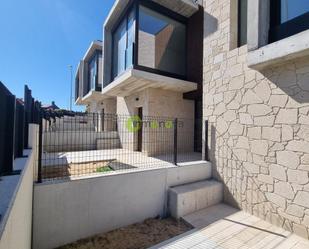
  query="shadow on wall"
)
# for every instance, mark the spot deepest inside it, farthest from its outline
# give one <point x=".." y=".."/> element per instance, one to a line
<point x="292" y="78"/>
<point x="264" y="164"/>
<point x="210" y="24"/>
<point x="241" y="189"/>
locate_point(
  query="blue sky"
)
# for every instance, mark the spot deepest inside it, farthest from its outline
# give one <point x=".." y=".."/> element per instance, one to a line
<point x="40" y="38"/>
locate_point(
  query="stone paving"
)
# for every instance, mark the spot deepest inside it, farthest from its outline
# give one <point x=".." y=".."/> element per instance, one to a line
<point x="223" y="227"/>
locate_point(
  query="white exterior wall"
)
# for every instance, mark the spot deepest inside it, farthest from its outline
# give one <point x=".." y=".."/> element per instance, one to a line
<point x="16" y="225"/>
<point x="67" y="211"/>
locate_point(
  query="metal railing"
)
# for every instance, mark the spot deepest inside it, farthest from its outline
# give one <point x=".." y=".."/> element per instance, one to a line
<point x="97" y="143"/>
<point x="14" y="123"/>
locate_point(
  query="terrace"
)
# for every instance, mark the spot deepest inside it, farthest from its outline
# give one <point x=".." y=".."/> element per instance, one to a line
<point x="90" y="176"/>
<point x="86" y="144"/>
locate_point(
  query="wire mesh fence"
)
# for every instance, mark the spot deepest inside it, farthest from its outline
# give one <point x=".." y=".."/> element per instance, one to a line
<point x="98" y="143"/>
<point x="16" y="115"/>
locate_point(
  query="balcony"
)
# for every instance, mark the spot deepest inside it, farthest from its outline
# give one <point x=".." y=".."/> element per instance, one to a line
<point x="136" y="80"/>
<point x="146" y="47"/>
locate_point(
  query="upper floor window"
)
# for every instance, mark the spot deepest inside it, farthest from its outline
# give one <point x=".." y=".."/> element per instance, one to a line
<point x="242" y="22"/>
<point x="77" y="87"/>
<point x="93" y="71"/>
<point x="152" y="38"/>
<point x="123" y="40"/>
<point x="288" y="17"/>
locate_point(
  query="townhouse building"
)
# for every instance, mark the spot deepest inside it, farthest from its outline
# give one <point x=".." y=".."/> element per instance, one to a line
<point x="242" y="65"/>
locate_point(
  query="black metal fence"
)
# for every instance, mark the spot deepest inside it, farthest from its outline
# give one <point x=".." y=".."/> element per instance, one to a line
<point x="16" y="116"/>
<point x="94" y="143"/>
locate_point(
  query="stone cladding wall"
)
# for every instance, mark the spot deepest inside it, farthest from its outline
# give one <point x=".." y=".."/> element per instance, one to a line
<point x="259" y="126"/>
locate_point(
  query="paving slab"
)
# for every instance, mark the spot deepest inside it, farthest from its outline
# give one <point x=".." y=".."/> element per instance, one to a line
<point x="223" y="227"/>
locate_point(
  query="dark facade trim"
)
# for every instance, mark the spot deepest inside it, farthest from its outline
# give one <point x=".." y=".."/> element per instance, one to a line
<point x="160" y="9"/>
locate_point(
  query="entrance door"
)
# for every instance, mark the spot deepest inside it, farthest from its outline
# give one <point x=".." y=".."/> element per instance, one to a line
<point x="140" y="130"/>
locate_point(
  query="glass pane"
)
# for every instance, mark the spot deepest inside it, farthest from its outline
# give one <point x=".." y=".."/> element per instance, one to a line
<point x="100" y="76"/>
<point x="131" y="38"/>
<point x="293" y="8"/>
<point x="243" y="8"/>
<point x="92" y="72"/>
<point x="162" y="42"/>
<point x="119" y="47"/>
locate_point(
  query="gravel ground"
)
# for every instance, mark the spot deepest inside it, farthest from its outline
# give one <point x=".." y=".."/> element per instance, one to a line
<point x="137" y="236"/>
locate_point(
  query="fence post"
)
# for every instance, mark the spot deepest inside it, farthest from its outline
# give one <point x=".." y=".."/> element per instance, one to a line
<point x="102" y="120"/>
<point x="19" y="130"/>
<point x="206" y="156"/>
<point x="175" y="141"/>
<point x="9" y="134"/>
<point x="40" y="149"/>
<point x="27" y="115"/>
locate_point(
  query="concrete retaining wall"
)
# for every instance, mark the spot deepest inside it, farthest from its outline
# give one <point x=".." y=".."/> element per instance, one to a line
<point x="16" y="224"/>
<point x="63" y="141"/>
<point x="67" y="211"/>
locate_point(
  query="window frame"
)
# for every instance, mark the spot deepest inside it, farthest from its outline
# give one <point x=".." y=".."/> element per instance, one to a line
<point x="77" y="82"/>
<point x="95" y="58"/>
<point x="134" y="4"/>
<point x="131" y="6"/>
<point x="239" y="24"/>
<point x="278" y="30"/>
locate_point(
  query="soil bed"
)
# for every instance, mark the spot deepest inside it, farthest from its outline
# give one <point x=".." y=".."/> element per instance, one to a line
<point x="137" y="236"/>
<point x="76" y="169"/>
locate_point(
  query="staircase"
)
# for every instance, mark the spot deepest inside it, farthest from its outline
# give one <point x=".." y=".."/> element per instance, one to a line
<point x="108" y="140"/>
<point x="194" y="200"/>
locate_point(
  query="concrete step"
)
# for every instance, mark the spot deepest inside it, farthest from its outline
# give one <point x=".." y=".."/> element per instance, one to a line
<point x="108" y="143"/>
<point x="189" y="198"/>
<point x="207" y="216"/>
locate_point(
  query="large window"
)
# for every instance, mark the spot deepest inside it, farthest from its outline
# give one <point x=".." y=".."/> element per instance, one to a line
<point x="242" y="22"/>
<point x="123" y="43"/>
<point x="77" y="93"/>
<point x="161" y="42"/>
<point x="291" y="9"/>
<point x="159" y="45"/>
<point x="288" y="17"/>
<point x="94" y="78"/>
<point x="92" y="72"/>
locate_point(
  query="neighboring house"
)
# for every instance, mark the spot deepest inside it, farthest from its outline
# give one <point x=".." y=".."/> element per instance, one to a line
<point x="89" y="78"/>
<point x="51" y="106"/>
<point x="248" y="78"/>
<point x="152" y="64"/>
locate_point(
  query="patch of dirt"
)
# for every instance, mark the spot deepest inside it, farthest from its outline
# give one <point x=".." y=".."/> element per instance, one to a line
<point x="137" y="236"/>
<point x="76" y="169"/>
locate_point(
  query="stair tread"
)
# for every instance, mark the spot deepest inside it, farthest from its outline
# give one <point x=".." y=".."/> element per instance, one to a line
<point x="209" y="215"/>
<point x="195" y="186"/>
